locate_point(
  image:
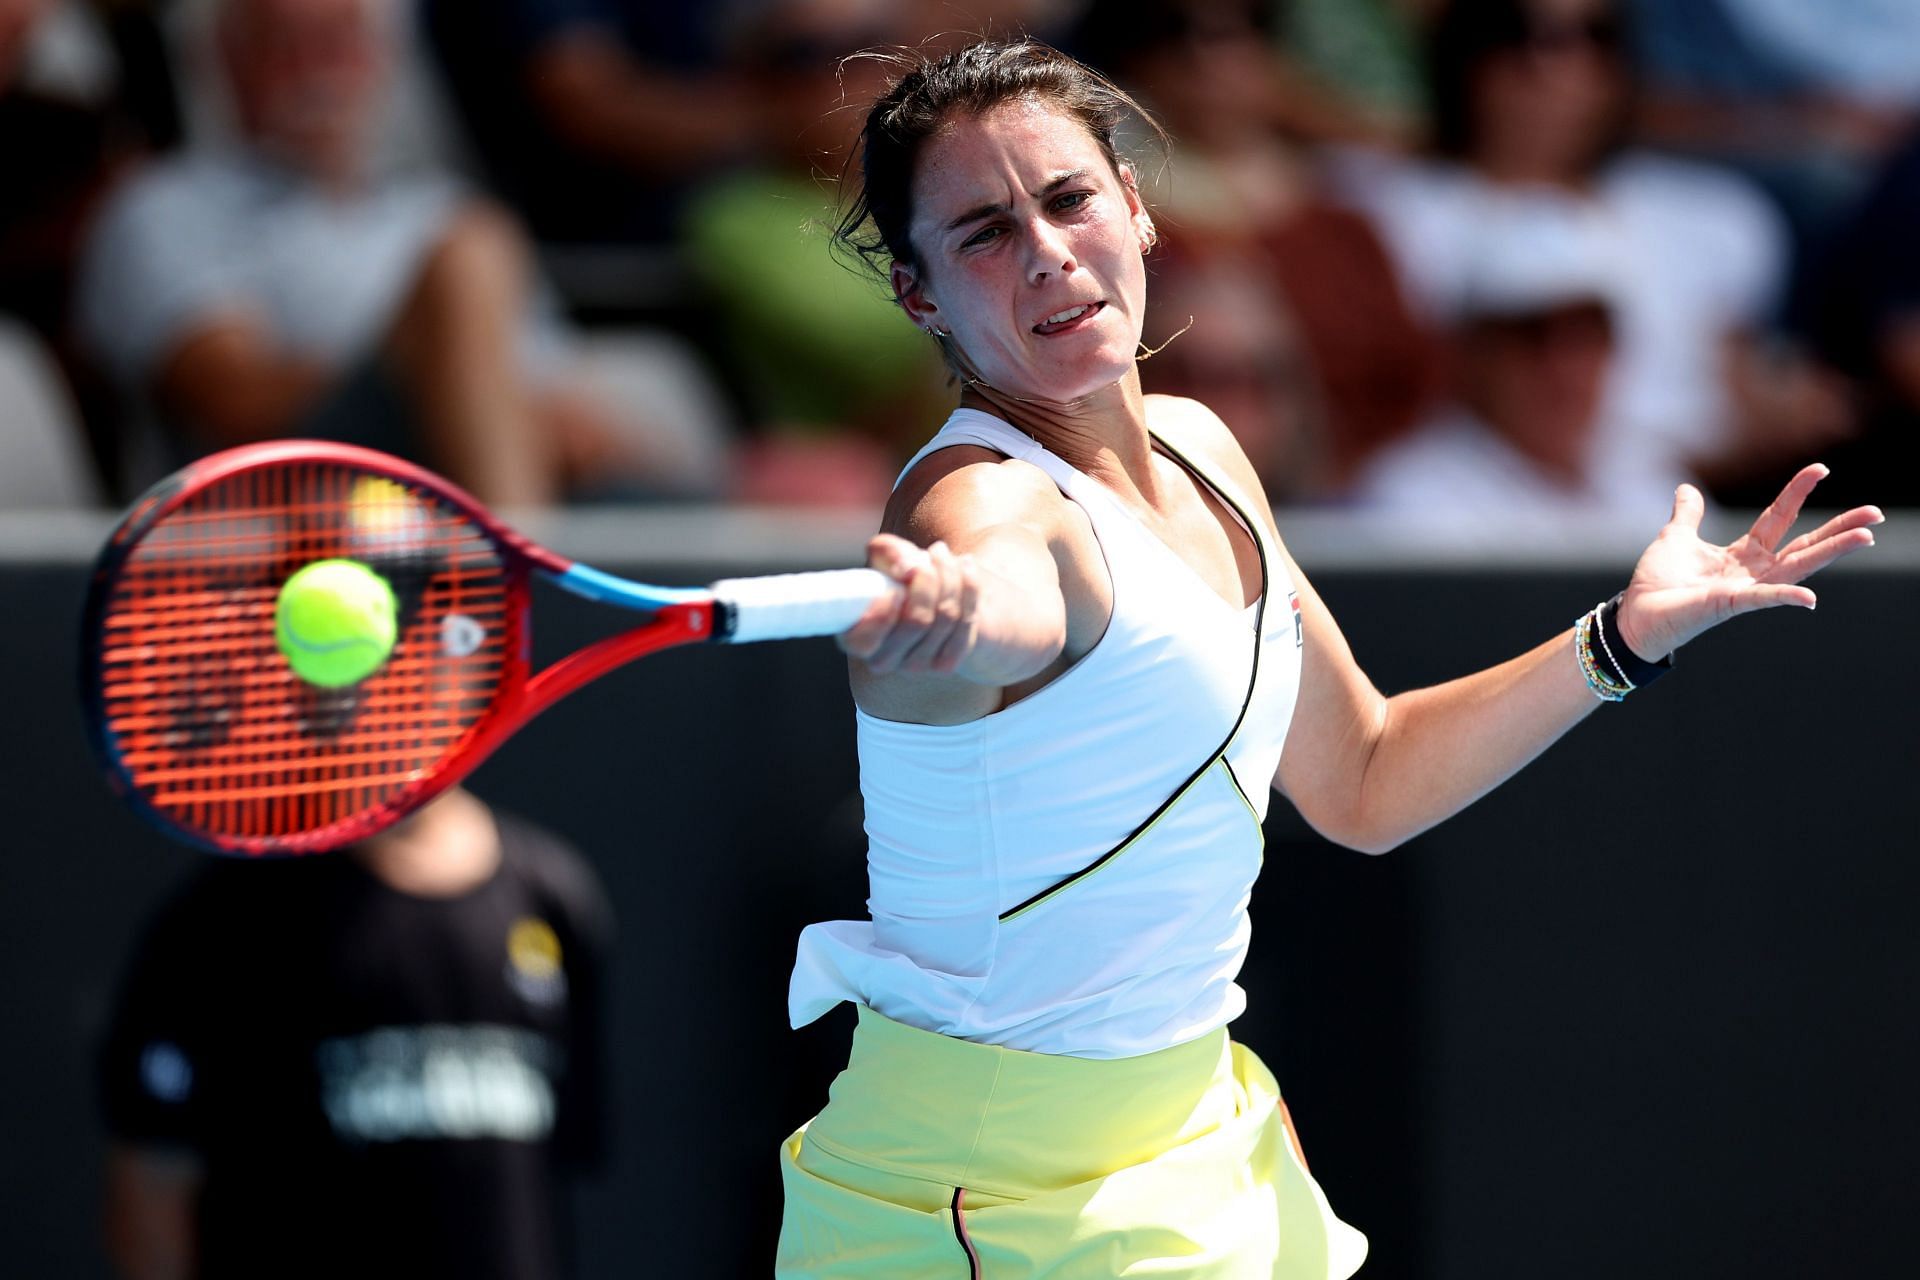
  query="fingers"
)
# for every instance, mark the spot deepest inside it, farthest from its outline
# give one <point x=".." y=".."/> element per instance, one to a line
<point x="960" y="637"/>
<point x="1858" y="518"/>
<point x="1771" y="595"/>
<point x="1688" y="508"/>
<point x="864" y="637"/>
<point x="1785" y="509"/>
<point x="1794" y="566"/>
<point x="897" y="558"/>
<point x="894" y="556"/>
<point x="929" y="624"/>
<point x="947" y="617"/>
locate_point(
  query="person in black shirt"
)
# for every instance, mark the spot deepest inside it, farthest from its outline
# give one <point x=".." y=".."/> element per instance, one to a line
<point x="379" y="1062"/>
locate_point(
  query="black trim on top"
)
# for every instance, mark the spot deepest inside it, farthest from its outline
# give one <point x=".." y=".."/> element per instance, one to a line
<point x="1234" y="778"/>
<point x="960" y="1234"/>
<point x="1219" y="752"/>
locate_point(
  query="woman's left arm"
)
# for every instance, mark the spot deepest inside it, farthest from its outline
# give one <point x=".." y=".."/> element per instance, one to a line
<point x="1371" y="772"/>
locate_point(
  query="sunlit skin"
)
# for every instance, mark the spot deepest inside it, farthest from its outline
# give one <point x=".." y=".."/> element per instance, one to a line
<point x="1018" y="216"/>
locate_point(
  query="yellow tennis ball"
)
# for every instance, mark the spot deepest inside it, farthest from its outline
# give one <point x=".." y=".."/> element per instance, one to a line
<point x="336" y="622"/>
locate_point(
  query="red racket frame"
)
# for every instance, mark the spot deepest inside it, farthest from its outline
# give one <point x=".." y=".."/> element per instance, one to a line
<point x="681" y="617"/>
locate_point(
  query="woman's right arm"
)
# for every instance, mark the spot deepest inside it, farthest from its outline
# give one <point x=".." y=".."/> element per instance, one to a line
<point x="975" y="544"/>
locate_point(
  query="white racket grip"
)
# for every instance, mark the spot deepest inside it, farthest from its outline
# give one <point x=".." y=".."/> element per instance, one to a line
<point x="786" y="606"/>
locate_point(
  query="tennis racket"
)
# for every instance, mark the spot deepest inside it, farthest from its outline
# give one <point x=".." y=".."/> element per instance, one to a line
<point x="206" y="730"/>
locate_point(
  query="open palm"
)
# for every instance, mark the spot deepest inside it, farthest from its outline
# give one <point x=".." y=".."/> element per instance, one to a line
<point x="1684" y="585"/>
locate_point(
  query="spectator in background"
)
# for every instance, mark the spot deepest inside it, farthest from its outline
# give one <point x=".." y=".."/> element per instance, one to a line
<point x="1518" y="447"/>
<point x="598" y="119"/>
<point x="1805" y="99"/>
<point x="63" y="150"/>
<point x="1532" y="99"/>
<point x="591" y="117"/>
<point x="1867" y="318"/>
<point x="1242" y="201"/>
<point x="276" y="285"/>
<point x="67" y="112"/>
<point x="1299" y="88"/>
<point x="1245" y="354"/>
<point x="1370" y="50"/>
<point x="831" y="370"/>
<point x="378" y="1063"/>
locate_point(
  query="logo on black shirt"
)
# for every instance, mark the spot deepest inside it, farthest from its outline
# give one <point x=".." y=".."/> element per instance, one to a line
<point x="438" y="1082"/>
<point x="533" y="962"/>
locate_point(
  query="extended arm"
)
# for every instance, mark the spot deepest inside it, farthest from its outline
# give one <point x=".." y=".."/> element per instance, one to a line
<point x="1371" y="772"/>
<point x="986" y="572"/>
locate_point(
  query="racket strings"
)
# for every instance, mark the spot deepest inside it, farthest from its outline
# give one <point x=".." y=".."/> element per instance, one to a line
<point x="211" y="725"/>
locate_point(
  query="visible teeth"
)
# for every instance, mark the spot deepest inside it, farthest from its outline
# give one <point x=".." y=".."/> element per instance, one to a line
<point x="1071" y="313"/>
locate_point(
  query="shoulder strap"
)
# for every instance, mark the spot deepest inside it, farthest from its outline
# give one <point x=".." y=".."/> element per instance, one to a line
<point x="971" y="426"/>
<point x="1217" y="480"/>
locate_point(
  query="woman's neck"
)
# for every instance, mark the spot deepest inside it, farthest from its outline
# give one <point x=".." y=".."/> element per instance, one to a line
<point x="1103" y="435"/>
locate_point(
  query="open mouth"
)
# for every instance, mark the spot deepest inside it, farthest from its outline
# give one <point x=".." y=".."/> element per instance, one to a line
<point x="1069" y="318"/>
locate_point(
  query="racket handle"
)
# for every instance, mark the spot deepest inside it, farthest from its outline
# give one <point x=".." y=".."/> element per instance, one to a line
<point x="787" y="606"/>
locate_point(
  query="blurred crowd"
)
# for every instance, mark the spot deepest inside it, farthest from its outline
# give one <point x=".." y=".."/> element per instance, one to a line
<point x="1458" y="262"/>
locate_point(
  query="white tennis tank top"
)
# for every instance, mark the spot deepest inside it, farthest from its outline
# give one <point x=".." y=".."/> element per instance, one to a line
<point x="1070" y="874"/>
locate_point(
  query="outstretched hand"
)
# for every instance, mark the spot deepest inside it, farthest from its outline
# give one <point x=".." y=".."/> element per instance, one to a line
<point x="1684" y="586"/>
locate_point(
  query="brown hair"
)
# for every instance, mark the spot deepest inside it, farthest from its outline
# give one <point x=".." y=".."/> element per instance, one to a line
<point x="969" y="81"/>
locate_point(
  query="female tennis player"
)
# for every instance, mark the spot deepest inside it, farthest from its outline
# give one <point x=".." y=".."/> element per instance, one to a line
<point x="1102" y="659"/>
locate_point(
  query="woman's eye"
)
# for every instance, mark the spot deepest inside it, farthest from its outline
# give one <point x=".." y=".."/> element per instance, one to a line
<point x="1072" y="200"/>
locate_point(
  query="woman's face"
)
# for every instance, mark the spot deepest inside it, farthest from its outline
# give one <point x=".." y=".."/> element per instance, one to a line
<point x="1029" y="250"/>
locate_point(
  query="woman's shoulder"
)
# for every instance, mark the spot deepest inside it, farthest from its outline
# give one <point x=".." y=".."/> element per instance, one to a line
<point x="1193" y="430"/>
<point x="967" y="486"/>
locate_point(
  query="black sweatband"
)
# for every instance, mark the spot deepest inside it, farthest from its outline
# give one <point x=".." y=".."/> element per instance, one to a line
<point x="1633" y="669"/>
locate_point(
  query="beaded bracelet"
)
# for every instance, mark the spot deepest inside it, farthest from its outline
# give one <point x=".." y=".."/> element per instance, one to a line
<point x="1599" y="629"/>
<point x="1604" y="687"/>
<point x="1611" y="674"/>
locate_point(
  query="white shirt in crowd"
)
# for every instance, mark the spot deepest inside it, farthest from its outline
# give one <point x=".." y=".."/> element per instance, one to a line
<point x="1703" y="257"/>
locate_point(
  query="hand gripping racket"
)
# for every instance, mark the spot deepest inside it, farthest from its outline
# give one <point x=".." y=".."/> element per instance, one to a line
<point x="204" y="727"/>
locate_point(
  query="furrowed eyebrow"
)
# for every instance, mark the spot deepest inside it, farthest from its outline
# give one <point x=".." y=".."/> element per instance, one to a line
<point x="978" y="212"/>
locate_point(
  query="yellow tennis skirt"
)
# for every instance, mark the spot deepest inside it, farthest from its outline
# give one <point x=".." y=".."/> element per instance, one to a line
<point x="938" y="1157"/>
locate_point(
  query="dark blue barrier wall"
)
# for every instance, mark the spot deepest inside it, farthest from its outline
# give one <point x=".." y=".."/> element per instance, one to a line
<point x="1651" y="1010"/>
